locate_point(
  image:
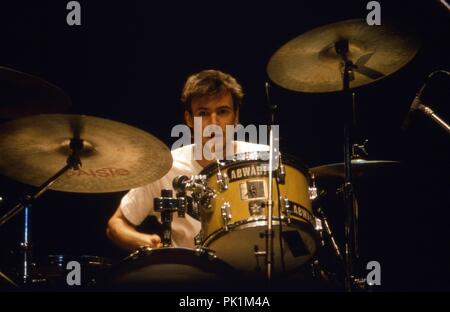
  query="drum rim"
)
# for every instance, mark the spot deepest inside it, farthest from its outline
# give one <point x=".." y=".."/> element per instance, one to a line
<point x="144" y="253"/>
<point x="287" y="159"/>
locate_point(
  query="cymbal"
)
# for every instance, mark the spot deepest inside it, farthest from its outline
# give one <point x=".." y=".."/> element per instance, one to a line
<point x="309" y="62"/>
<point x="360" y="167"/>
<point x="115" y="156"/>
<point x="23" y="94"/>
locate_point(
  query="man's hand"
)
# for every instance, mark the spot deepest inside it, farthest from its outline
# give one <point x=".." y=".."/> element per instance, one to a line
<point x="125" y="235"/>
<point x="155" y="241"/>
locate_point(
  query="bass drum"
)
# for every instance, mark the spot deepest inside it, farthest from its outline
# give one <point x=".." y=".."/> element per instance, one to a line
<point x="170" y="269"/>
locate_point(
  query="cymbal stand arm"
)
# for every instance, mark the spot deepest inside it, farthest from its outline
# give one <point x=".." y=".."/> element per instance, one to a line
<point x="73" y="162"/>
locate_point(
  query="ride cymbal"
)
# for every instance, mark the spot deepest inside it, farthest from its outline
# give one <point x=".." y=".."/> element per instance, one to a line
<point x="310" y="63"/>
<point x="115" y="156"/>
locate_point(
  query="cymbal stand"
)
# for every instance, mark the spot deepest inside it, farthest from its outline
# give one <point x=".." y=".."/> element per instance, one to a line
<point x="326" y="226"/>
<point x="348" y="67"/>
<point x="3" y="276"/>
<point x="274" y="167"/>
<point x="73" y="162"/>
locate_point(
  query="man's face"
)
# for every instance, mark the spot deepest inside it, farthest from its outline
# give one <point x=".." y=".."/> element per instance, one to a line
<point x="214" y="110"/>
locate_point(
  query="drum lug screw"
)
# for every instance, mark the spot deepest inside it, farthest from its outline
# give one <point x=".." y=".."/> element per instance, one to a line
<point x="222" y="181"/>
<point x="226" y="213"/>
<point x="198" y="239"/>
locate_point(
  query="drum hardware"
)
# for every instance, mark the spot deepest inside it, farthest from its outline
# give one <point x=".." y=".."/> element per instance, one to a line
<point x="258" y="254"/>
<point x="222" y="179"/>
<point x="24" y="94"/>
<point x="269" y="234"/>
<point x="201" y="193"/>
<point x="361" y="53"/>
<point x="9" y="281"/>
<point x="166" y="205"/>
<point x="418" y="105"/>
<point x="323" y="224"/>
<point x="40" y="144"/>
<point x="286" y="208"/>
<point x="50" y="273"/>
<point x="225" y="210"/>
<point x="281" y="172"/>
<point x="74" y="163"/>
<point x="312" y="190"/>
<point x="357" y="149"/>
<point x="199" y="238"/>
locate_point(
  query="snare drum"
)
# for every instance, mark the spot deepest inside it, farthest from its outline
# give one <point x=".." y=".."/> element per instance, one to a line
<point x="170" y="269"/>
<point x="233" y="225"/>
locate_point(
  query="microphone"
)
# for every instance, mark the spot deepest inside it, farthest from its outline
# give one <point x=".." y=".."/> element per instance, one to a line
<point x="415" y="104"/>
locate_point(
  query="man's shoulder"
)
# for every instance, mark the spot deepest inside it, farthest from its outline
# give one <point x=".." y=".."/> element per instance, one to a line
<point x="183" y="152"/>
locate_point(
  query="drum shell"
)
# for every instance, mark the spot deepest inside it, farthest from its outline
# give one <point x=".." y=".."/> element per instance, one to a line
<point x="237" y="240"/>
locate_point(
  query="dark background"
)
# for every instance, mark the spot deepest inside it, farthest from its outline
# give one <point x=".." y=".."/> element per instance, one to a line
<point x="128" y="62"/>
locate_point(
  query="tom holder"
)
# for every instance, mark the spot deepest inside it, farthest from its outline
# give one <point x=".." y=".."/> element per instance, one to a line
<point x="167" y="205"/>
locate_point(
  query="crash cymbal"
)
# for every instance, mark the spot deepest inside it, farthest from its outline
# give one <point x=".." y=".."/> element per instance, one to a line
<point x="360" y="168"/>
<point x="309" y="62"/>
<point x="115" y="156"/>
<point x="22" y="94"/>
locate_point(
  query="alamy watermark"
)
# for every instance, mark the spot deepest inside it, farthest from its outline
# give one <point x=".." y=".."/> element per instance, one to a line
<point x="219" y="146"/>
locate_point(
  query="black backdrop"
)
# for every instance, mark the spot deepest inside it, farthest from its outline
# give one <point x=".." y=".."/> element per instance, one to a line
<point x="129" y="59"/>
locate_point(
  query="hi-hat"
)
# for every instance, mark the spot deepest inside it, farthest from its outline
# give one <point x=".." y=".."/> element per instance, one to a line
<point x="310" y="63"/>
<point x="360" y="168"/>
<point x="115" y="156"/>
<point x="22" y="94"/>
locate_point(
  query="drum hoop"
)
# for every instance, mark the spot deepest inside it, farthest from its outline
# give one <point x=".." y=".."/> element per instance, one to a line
<point x="142" y="257"/>
<point x="148" y="251"/>
<point x="287" y="159"/>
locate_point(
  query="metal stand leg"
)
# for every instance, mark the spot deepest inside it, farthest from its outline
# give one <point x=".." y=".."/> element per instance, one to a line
<point x="26" y="246"/>
<point x="8" y="280"/>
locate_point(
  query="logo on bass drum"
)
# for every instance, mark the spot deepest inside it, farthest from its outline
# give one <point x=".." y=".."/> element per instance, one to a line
<point x="245" y="172"/>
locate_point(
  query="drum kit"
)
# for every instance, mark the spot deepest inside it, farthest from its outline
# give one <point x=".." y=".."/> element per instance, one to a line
<point x="258" y="221"/>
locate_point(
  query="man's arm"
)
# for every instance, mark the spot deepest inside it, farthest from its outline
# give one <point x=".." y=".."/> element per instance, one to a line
<point x="124" y="234"/>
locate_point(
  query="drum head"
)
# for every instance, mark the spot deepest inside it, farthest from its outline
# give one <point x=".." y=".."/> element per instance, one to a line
<point x="239" y="246"/>
<point x="170" y="269"/>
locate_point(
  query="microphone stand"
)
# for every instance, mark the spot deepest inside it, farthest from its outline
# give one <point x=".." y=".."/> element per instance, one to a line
<point x="418" y="105"/>
<point x="432" y="115"/>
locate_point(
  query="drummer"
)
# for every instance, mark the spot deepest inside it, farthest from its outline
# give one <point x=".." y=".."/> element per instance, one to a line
<point x="215" y="97"/>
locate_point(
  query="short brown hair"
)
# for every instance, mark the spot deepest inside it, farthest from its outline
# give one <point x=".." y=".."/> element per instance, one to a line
<point x="209" y="83"/>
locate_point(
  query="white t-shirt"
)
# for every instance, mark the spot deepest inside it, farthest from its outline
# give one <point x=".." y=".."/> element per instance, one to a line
<point x="137" y="204"/>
